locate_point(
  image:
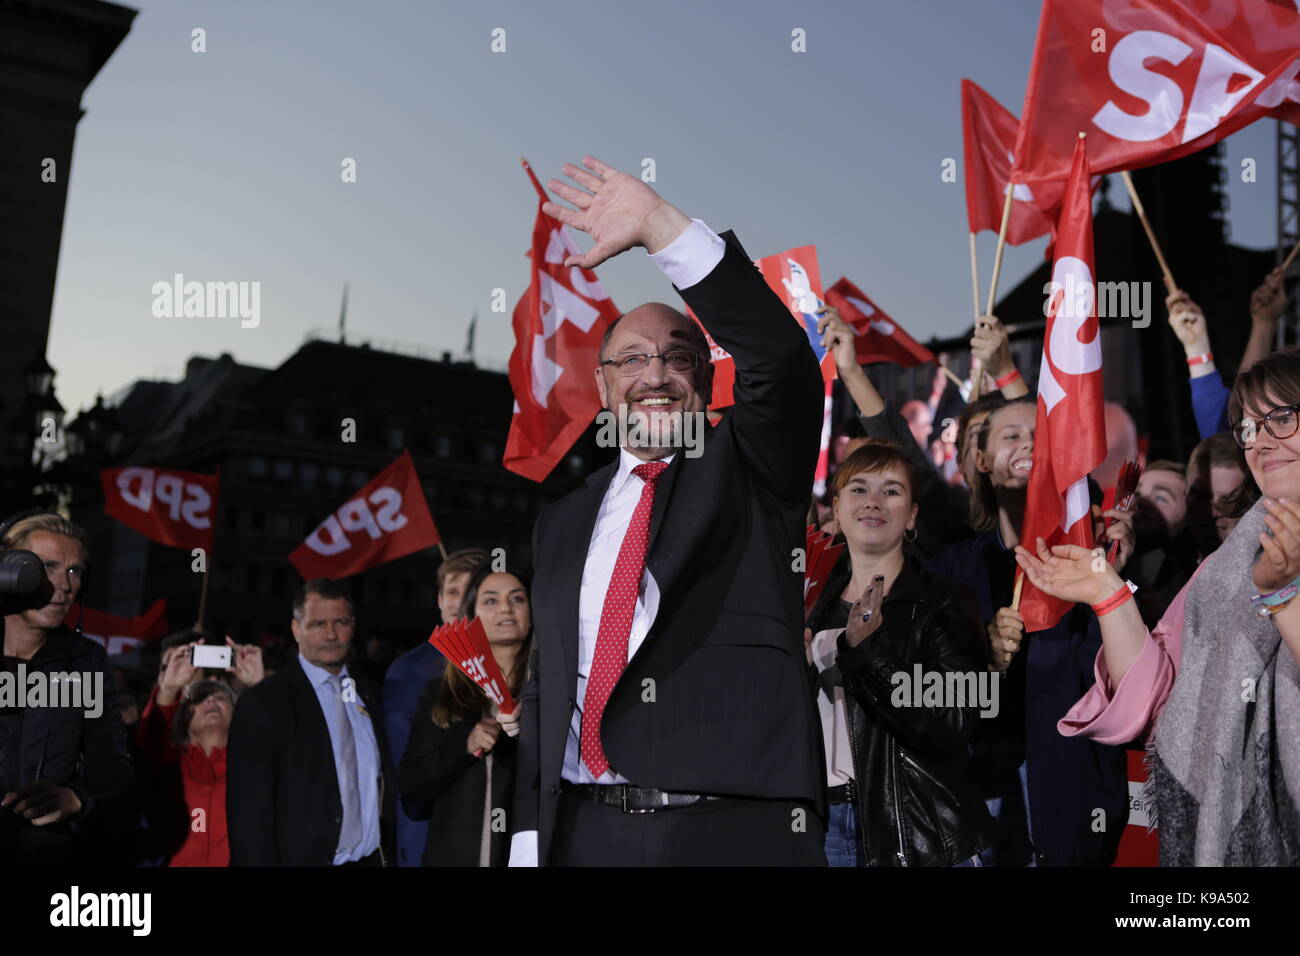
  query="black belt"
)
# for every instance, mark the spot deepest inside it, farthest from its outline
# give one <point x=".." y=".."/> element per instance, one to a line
<point x="844" y="793"/>
<point x="632" y="799"/>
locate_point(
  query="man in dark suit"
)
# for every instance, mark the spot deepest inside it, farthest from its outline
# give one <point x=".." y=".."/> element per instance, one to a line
<point x="668" y="720"/>
<point x="309" y="781"/>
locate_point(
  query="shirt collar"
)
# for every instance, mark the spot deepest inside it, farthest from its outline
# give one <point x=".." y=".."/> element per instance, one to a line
<point x="318" y="675"/>
<point x="626" y="462"/>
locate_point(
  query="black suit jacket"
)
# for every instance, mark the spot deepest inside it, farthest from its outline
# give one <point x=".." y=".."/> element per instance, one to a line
<point x="282" y="792"/>
<point x="715" y="700"/>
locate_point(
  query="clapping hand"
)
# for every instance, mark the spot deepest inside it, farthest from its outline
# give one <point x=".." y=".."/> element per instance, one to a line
<point x="1279" y="563"/>
<point x="1068" y="572"/>
<point x="618" y="211"/>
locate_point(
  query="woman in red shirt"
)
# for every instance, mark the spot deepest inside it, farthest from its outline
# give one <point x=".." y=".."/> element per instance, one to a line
<point x="183" y="731"/>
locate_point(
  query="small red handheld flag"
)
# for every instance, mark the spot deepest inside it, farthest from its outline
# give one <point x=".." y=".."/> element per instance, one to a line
<point x="466" y="646"/>
<point x="821" y="559"/>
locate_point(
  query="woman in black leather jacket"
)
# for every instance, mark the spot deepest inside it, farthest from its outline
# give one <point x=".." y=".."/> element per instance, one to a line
<point x="901" y="675"/>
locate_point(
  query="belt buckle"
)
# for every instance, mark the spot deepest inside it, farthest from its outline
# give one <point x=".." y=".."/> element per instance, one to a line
<point x="626" y="789"/>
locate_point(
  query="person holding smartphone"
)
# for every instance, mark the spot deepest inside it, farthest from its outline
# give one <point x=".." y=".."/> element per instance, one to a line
<point x="183" y="732"/>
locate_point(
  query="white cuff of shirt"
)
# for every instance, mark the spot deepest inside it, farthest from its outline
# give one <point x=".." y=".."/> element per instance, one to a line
<point x="691" y="256"/>
<point x="825" y="649"/>
<point x="523" y="848"/>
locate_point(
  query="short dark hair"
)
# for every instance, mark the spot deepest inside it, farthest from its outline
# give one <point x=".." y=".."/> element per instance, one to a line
<point x="873" y="457"/>
<point x="323" y="588"/>
<point x="1274" y="377"/>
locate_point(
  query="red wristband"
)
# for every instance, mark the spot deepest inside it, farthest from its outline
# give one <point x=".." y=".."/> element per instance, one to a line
<point x="1112" y="602"/>
<point x="1007" y="379"/>
<point x="1202" y="359"/>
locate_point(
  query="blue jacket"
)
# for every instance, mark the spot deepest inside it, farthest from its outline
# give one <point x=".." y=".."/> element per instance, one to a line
<point x="1070" y="778"/>
<point x="406" y="679"/>
<point x="1210" y="404"/>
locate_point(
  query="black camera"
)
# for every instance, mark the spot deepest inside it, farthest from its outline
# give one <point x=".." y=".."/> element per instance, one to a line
<point x="23" y="582"/>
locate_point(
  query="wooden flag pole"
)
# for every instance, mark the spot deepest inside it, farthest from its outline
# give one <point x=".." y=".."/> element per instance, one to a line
<point x="1288" y="260"/>
<point x="203" y="593"/>
<point x="975" y="277"/>
<point x="977" y="383"/>
<point x="442" y="549"/>
<point x="1170" y="285"/>
<point x="1020" y="586"/>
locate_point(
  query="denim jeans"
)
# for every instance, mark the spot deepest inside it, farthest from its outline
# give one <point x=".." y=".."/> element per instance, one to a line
<point x="1000" y="764"/>
<point x="843" y="843"/>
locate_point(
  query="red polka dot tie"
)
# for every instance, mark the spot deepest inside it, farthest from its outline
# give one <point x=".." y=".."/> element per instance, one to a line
<point x="616" y="619"/>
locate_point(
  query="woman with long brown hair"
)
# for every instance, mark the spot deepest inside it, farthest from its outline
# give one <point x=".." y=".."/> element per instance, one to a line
<point x="458" y="770"/>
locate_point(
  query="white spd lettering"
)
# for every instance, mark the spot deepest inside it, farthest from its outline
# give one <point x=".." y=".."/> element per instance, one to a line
<point x="1217" y="91"/>
<point x="331" y="536"/>
<point x="185" y="500"/>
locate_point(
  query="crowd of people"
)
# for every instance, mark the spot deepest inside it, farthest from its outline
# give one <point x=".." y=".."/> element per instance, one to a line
<point x="677" y="706"/>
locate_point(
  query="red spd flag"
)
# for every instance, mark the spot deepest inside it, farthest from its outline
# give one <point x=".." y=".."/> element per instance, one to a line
<point x="386" y="520"/>
<point x="119" y="634"/>
<point x="558" y="327"/>
<point x="175" y="508"/>
<point x="1070" y="429"/>
<point x="989" y="139"/>
<point x="796" y="278"/>
<point x="880" y="338"/>
<point x="1152" y="80"/>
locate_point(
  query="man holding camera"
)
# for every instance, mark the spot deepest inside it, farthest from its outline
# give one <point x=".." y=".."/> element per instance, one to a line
<point x="60" y="766"/>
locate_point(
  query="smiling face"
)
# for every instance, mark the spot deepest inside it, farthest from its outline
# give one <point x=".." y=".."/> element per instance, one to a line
<point x="65" y="566"/>
<point x="502" y="605"/>
<point x="655" y="389"/>
<point x="1274" y="462"/>
<point x="874" y="509"/>
<point x="1008" y="451"/>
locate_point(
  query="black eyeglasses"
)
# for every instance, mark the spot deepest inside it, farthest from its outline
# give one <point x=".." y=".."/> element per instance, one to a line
<point x="675" y="360"/>
<point x="1281" y="423"/>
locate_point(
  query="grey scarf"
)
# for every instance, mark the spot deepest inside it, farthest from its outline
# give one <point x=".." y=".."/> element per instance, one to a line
<point x="1225" y="755"/>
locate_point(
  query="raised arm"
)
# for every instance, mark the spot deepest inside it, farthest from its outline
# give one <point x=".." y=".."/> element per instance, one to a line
<point x="778" y="390"/>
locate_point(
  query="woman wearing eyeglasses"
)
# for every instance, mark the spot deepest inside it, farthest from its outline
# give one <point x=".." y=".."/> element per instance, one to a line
<point x="1215" y="689"/>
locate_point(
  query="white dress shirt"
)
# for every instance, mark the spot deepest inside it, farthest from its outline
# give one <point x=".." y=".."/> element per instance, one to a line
<point x="685" y="261"/>
<point x="834" y="715"/>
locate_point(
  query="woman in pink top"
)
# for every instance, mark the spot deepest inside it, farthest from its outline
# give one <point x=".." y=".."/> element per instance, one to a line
<point x="1216" y="687"/>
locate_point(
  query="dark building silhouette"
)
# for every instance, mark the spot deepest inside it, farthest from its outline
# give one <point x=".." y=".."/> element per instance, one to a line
<point x="278" y="438"/>
<point x="50" y="50"/>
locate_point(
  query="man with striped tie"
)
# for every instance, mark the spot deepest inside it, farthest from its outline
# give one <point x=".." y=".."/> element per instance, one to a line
<point x="667" y="720"/>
